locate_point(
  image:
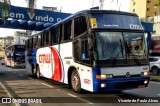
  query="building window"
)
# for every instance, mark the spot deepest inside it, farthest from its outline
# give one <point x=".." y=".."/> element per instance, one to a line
<point x="155" y="13"/>
<point x="134" y="10"/>
<point x="134" y="3"/>
<point x="155" y="6"/>
<point x="148" y="9"/>
<point x="148" y="1"/>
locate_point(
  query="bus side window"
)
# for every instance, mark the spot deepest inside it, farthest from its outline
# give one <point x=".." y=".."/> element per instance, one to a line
<point x="58" y="34"/>
<point x="49" y="38"/>
<point x="85" y="50"/>
<point x="67" y="31"/>
<point x="80" y="25"/>
<point x="34" y="42"/>
<point x="46" y="38"/>
<point x="30" y="43"/>
<point x="39" y="41"/>
<point x="53" y="35"/>
<point x="26" y="45"/>
<point x="76" y="50"/>
<point x="42" y="40"/>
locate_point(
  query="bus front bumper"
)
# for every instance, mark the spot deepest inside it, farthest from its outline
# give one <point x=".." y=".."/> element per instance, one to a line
<point x="117" y="84"/>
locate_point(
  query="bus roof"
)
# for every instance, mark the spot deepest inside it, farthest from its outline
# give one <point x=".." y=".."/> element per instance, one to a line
<point x="87" y="12"/>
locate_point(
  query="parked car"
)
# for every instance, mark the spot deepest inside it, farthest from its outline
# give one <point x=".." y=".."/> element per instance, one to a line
<point x="2" y="62"/>
<point x="154" y="65"/>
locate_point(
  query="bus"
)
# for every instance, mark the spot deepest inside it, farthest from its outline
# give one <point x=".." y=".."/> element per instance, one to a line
<point x="15" y="55"/>
<point x="93" y="50"/>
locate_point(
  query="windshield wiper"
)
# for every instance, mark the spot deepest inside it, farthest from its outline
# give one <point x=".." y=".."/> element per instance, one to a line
<point x="133" y="55"/>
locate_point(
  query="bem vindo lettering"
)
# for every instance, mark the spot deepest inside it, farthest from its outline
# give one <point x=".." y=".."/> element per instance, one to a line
<point x="45" y="18"/>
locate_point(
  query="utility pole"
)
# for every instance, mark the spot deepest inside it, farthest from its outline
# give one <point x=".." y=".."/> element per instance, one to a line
<point x="101" y="4"/>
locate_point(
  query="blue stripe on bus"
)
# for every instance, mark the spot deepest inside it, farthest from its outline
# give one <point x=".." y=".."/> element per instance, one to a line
<point x="111" y="83"/>
<point x="34" y="51"/>
<point x="96" y="71"/>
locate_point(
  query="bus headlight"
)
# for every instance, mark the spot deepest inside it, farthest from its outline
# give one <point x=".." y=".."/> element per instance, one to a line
<point x="145" y="73"/>
<point x="104" y="76"/>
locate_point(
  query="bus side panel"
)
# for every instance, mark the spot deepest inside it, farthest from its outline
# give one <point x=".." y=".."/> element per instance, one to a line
<point x="84" y="72"/>
<point x="43" y="57"/>
<point x="86" y="76"/>
<point x="34" y="59"/>
<point x="66" y="56"/>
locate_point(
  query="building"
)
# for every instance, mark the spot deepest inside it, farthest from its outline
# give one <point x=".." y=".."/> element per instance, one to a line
<point x="4" y="42"/>
<point x="144" y="8"/>
<point x="21" y="36"/>
<point x="7" y="41"/>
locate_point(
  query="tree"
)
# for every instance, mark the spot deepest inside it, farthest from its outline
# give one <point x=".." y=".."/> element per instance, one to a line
<point x="5" y="8"/>
<point x="31" y="6"/>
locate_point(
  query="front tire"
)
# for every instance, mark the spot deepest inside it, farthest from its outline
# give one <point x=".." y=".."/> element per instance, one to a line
<point x="75" y="82"/>
<point x="34" y="70"/>
<point x="37" y="72"/>
<point x="155" y="71"/>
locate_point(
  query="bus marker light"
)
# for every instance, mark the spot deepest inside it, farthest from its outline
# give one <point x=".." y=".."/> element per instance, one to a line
<point x="104" y="76"/>
<point x="98" y="77"/>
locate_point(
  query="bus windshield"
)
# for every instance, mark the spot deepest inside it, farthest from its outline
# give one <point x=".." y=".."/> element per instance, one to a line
<point x="19" y="58"/>
<point x="118" y="45"/>
<point x="20" y="48"/>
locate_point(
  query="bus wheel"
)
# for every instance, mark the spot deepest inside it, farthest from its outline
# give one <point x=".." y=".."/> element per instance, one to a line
<point x="33" y="70"/>
<point x="75" y="82"/>
<point x="38" y="72"/>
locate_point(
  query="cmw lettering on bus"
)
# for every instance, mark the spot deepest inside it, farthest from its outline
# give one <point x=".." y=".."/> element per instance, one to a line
<point x="44" y="58"/>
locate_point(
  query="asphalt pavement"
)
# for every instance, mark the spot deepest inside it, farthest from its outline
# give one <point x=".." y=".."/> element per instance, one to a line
<point x="19" y="84"/>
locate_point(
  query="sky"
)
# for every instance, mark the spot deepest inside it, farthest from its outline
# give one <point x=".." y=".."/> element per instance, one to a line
<point x="69" y="6"/>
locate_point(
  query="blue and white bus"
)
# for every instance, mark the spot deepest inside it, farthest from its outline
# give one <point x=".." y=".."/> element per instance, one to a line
<point x="15" y="55"/>
<point x="94" y="50"/>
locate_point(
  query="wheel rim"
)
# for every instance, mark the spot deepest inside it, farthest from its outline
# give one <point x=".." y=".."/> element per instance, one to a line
<point x="155" y="70"/>
<point x="75" y="81"/>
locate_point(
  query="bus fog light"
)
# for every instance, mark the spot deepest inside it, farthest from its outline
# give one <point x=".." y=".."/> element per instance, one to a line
<point x="146" y="81"/>
<point x="103" y="85"/>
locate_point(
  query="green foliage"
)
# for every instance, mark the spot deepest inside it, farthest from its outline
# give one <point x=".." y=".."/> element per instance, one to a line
<point x="155" y="78"/>
<point x="5" y="8"/>
<point x="31" y="6"/>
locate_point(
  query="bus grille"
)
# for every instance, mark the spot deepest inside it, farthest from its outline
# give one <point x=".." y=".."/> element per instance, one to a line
<point x="126" y="85"/>
<point x="124" y="76"/>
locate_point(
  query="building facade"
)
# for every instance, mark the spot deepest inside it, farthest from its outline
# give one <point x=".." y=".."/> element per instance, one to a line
<point x="144" y="8"/>
<point x="4" y="42"/>
<point x="21" y="36"/>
